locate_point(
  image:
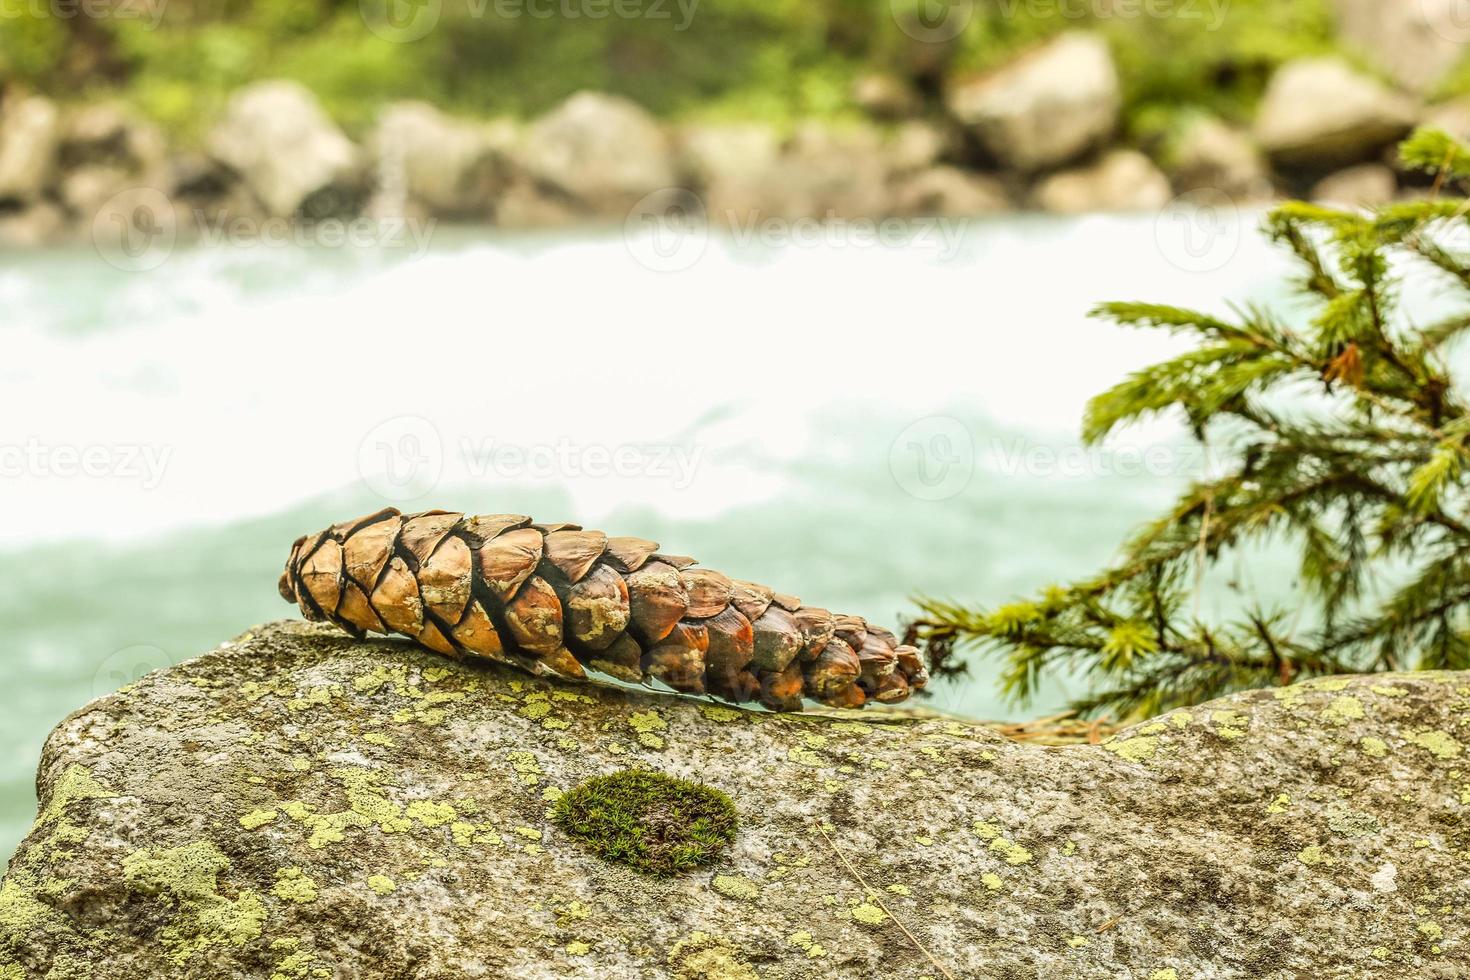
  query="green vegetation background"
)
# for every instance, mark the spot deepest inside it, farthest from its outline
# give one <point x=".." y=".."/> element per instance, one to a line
<point x="772" y="60"/>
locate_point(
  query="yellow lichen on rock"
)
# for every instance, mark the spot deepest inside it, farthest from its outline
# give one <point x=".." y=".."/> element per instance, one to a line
<point x="648" y="724"/>
<point x="294" y="885"/>
<point x="258" y="818"/>
<point x="186" y="878"/>
<point x="701" y="956"/>
<point x="736" y="886"/>
<point x="1440" y="743"/>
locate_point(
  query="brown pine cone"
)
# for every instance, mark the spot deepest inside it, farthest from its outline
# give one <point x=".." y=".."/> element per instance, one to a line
<point x="554" y="599"/>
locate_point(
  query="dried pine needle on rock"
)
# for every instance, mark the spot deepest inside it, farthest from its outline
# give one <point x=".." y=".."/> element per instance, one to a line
<point x="557" y="600"/>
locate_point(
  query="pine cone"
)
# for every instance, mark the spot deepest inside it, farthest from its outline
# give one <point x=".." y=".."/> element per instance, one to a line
<point x="554" y="599"/>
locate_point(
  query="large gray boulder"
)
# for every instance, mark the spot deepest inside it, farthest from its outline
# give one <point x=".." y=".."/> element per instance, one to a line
<point x="297" y="804"/>
<point x="1416" y="42"/>
<point x="1048" y="107"/>
<point x="1318" y="113"/>
<point x="30" y="133"/>
<point x="603" y="150"/>
<point x="275" y="135"/>
<point x="449" y="166"/>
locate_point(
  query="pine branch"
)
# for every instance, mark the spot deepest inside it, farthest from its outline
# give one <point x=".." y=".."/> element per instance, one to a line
<point x="1369" y="482"/>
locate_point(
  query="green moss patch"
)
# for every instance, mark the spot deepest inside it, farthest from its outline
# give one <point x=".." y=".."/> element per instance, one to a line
<point x="655" y="824"/>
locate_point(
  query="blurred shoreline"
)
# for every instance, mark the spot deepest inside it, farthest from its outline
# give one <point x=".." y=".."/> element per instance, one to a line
<point x="1050" y="128"/>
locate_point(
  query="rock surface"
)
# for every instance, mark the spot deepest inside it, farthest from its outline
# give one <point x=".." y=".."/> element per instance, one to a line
<point x="950" y="192"/>
<point x="1416" y="43"/>
<point x="603" y="150"/>
<point x="30" y="132"/>
<point x="299" y="805"/>
<point x="40" y="224"/>
<point x="1123" y="180"/>
<point x="110" y="135"/>
<point x="295" y="159"/>
<point x="1209" y="155"/>
<point x="885" y="96"/>
<point x="1318" y="112"/>
<point x="450" y="166"/>
<point x="1364" y="186"/>
<point x="1047" y="108"/>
